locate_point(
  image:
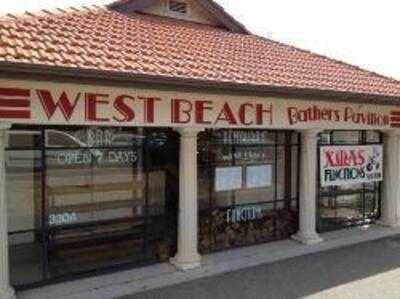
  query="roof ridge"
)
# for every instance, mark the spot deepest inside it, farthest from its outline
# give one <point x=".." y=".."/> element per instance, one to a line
<point x="180" y="22"/>
<point x="333" y="60"/>
<point x="49" y="12"/>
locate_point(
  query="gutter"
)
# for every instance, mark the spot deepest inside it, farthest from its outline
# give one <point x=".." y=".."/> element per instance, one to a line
<point x="26" y="71"/>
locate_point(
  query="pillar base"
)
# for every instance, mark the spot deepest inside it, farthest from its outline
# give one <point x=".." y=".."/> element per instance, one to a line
<point x="307" y="240"/>
<point x="8" y="293"/>
<point x="186" y="265"/>
<point x="388" y="224"/>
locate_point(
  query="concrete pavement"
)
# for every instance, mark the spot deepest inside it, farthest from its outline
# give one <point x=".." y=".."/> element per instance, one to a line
<point x="367" y="270"/>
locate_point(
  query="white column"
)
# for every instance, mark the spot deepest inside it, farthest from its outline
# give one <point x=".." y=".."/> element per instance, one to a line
<point x="391" y="179"/>
<point x="308" y="189"/>
<point x="187" y="256"/>
<point x="6" y="291"/>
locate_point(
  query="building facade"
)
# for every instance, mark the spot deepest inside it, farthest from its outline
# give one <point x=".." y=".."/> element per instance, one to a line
<point x="154" y="131"/>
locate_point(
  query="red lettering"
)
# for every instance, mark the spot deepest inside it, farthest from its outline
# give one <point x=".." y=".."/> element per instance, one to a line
<point x="361" y="158"/>
<point x="311" y="114"/>
<point x="124" y="109"/>
<point x="330" y="158"/>
<point x="342" y="158"/>
<point x="50" y="105"/>
<point x="179" y="108"/>
<point x="92" y="102"/>
<point x="226" y="114"/>
<point x="200" y="108"/>
<point x="242" y="114"/>
<point x="149" y="108"/>
<point x="260" y="112"/>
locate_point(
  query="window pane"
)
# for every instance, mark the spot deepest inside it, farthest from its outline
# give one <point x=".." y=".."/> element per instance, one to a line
<point x="294" y="170"/>
<point x="346" y="137"/>
<point x="23" y="139"/>
<point x="327" y="213"/>
<point x="373" y="137"/>
<point x="352" y="204"/>
<point x="24" y="206"/>
<point x="282" y="163"/>
<point x="371" y="205"/>
<point x="104" y="190"/>
<point x="255" y="203"/>
<point x="349" y="207"/>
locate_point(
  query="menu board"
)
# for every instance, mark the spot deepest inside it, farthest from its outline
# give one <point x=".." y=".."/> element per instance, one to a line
<point x="259" y="176"/>
<point x="228" y="178"/>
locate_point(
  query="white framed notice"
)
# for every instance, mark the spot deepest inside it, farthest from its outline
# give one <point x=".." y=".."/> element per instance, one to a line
<point x="259" y="176"/>
<point x="228" y="178"/>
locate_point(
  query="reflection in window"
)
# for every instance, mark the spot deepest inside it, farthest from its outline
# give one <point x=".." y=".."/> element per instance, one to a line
<point x="247" y="188"/>
<point x="89" y="198"/>
<point x="23" y="185"/>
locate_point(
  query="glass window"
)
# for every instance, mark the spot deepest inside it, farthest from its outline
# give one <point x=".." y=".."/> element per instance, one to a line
<point x="346" y="137"/>
<point x="373" y="137"/>
<point x="23" y="185"/>
<point x="247" y="188"/>
<point x="353" y="204"/>
<point x="89" y="198"/>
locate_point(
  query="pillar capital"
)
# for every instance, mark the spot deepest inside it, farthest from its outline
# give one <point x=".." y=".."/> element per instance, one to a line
<point x="310" y="133"/>
<point x="391" y="133"/>
<point x="4" y="126"/>
<point x="188" y="132"/>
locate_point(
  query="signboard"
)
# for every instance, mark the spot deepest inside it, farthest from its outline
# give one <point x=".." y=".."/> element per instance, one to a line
<point x="228" y="178"/>
<point x="244" y="214"/>
<point x="345" y="165"/>
<point x="258" y="176"/>
<point x="40" y="102"/>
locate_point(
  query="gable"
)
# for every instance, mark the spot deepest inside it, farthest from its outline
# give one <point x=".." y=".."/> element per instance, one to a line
<point x="198" y="11"/>
<point x="193" y="12"/>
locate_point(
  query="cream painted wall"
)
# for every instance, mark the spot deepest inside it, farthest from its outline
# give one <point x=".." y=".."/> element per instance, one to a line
<point x="280" y="113"/>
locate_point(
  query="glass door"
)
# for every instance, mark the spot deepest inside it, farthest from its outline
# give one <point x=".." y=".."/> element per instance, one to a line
<point x="94" y="195"/>
<point x="105" y="198"/>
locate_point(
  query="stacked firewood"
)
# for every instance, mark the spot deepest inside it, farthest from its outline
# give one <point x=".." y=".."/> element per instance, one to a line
<point x="216" y="234"/>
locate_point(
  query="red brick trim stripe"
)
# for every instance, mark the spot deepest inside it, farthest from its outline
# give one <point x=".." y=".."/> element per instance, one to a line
<point x="15" y="114"/>
<point x="15" y="92"/>
<point x="11" y="102"/>
<point x="395" y="119"/>
<point x="14" y="103"/>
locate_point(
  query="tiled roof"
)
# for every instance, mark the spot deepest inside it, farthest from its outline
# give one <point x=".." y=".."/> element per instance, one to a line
<point x="100" y="39"/>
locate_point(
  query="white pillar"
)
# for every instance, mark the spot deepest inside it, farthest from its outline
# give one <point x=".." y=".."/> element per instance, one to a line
<point x="391" y="179"/>
<point x="187" y="256"/>
<point x="6" y="291"/>
<point x="308" y="189"/>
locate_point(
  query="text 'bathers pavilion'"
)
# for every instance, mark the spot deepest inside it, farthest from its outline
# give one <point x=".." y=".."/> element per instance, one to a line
<point x="152" y="131"/>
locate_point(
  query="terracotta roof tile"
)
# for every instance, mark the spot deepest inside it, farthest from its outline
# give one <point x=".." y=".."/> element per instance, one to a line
<point x="105" y="40"/>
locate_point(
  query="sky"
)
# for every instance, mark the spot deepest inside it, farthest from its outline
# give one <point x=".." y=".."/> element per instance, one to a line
<point x="361" y="32"/>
